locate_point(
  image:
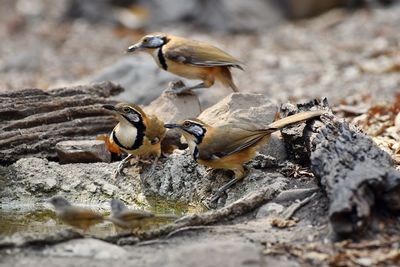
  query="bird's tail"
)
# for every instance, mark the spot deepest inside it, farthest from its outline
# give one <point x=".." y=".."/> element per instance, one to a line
<point x="225" y="77"/>
<point x="294" y="119"/>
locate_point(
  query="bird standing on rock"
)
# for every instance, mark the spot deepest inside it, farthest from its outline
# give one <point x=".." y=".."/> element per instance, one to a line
<point x="131" y="219"/>
<point x="136" y="133"/>
<point x="189" y="59"/>
<point x="78" y="217"/>
<point x="228" y="146"/>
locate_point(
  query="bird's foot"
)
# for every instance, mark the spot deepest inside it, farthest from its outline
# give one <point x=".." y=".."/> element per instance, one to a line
<point x="121" y="166"/>
<point x="178" y="88"/>
<point x="222" y="190"/>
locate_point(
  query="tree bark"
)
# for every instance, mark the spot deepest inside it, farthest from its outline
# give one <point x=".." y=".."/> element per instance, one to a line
<point x="32" y="121"/>
<point x="355" y="173"/>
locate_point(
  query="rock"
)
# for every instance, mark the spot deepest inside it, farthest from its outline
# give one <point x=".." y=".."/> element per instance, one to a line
<point x="181" y="179"/>
<point x="269" y="209"/>
<point x="253" y="111"/>
<point x="82" y="151"/>
<point x="142" y="79"/>
<point x="211" y="252"/>
<point x="26" y="239"/>
<point x="245" y="108"/>
<point x="87" y="247"/>
<point x="172" y="108"/>
<point x="30" y="180"/>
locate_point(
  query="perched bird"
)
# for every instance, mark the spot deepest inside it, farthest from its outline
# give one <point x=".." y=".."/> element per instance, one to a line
<point x="228" y="146"/>
<point x="189" y="59"/>
<point x="126" y="218"/>
<point x="136" y="133"/>
<point x="78" y="217"/>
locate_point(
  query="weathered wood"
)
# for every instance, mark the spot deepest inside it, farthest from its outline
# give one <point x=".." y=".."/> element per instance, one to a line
<point x="351" y="168"/>
<point x="32" y="121"/>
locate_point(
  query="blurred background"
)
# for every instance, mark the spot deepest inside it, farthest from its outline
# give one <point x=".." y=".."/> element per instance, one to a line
<point x="346" y="50"/>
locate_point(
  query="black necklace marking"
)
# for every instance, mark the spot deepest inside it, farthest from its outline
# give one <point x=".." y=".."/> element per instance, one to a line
<point x="140" y="133"/>
<point x="161" y="58"/>
<point x="196" y="153"/>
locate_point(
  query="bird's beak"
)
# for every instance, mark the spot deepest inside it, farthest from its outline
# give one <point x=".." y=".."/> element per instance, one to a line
<point x="134" y="47"/>
<point x="172" y="125"/>
<point x="110" y="107"/>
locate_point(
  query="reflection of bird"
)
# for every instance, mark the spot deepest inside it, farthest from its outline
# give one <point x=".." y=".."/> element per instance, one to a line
<point x="189" y="59"/>
<point x="126" y="218"/>
<point x="229" y="147"/>
<point x="75" y="216"/>
<point x="136" y="133"/>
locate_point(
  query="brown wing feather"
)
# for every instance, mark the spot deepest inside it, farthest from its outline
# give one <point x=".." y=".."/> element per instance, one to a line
<point x="77" y="213"/>
<point x="128" y="215"/>
<point x="198" y="54"/>
<point x="155" y="131"/>
<point x="235" y="140"/>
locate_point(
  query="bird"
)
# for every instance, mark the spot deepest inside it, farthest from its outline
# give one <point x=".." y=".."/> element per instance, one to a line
<point x="230" y="146"/>
<point x="137" y="134"/>
<point x="78" y="217"/>
<point x="189" y="59"/>
<point x="126" y="218"/>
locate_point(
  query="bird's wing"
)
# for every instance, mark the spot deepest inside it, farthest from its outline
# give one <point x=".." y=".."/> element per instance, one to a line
<point x="235" y="140"/>
<point x="155" y="131"/>
<point x="130" y="215"/>
<point x="78" y="213"/>
<point x="199" y="54"/>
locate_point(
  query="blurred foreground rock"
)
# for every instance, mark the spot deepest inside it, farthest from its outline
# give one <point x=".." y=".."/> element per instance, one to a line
<point x="82" y="151"/>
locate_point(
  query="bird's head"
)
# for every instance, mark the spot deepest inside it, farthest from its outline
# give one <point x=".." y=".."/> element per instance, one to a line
<point x="149" y="42"/>
<point x="117" y="206"/>
<point x="192" y="129"/>
<point x="59" y="202"/>
<point x="127" y="113"/>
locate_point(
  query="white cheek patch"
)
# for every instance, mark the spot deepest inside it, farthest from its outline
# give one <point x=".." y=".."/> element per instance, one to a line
<point x="197" y="130"/>
<point x="155" y="42"/>
<point x="133" y="117"/>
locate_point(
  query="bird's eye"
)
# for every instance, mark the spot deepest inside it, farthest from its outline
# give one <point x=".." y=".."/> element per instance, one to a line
<point x="145" y="40"/>
<point x="186" y="124"/>
<point x="126" y="109"/>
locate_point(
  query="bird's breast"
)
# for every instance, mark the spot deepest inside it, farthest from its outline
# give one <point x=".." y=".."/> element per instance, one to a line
<point x="125" y="134"/>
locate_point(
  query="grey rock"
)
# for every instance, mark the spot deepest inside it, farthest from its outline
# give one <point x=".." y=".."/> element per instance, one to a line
<point x="25" y="239"/>
<point x="269" y="209"/>
<point x="82" y="151"/>
<point x="171" y="108"/>
<point x="142" y="79"/>
<point x="228" y="252"/>
<point x="254" y="110"/>
<point x="87" y="247"/>
<point x="31" y="180"/>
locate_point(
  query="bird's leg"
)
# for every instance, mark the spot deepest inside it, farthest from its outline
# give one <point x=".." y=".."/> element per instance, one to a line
<point x="121" y="165"/>
<point x="239" y="174"/>
<point x="180" y="87"/>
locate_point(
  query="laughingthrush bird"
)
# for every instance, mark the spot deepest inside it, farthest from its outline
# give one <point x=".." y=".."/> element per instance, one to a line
<point x="133" y="219"/>
<point x="136" y="133"/>
<point x="228" y="146"/>
<point x="78" y="217"/>
<point x="189" y="59"/>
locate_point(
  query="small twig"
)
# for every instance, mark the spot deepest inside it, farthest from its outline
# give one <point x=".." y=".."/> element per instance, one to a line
<point x="290" y="211"/>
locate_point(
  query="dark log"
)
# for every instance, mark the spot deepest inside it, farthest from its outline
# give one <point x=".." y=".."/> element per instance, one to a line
<point x="32" y="121"/>
<point x="355" y="173"/>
